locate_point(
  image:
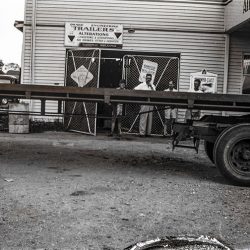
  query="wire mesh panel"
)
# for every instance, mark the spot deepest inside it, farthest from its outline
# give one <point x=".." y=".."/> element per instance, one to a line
<point x="82" y="70"/>
<point x="167" y="70"/>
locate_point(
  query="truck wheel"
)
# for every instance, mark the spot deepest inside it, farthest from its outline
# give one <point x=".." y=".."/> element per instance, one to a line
<point x="209" y="149"/>
<point x="232" y="154"/>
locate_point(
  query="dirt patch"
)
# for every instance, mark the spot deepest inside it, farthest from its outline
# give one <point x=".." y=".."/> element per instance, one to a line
<point x="77" y="192"/>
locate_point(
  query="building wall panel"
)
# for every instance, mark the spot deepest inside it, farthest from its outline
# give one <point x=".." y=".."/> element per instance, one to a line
<point x="50" y="55"/>
<point x="192" y="28"/>
<point x="199" y="15"/>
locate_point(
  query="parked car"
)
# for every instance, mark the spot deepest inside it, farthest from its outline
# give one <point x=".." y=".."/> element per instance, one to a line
<point x="11" y="80"/>
<point x="4" y="102"/>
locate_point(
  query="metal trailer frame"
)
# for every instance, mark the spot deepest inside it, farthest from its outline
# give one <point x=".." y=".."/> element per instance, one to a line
<point x="227" y="139"/>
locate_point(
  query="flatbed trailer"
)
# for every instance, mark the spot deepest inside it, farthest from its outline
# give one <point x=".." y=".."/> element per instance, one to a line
<point x="226" y="138"/>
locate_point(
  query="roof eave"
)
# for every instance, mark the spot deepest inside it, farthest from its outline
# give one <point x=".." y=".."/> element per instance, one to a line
<point x="19" y="25"/>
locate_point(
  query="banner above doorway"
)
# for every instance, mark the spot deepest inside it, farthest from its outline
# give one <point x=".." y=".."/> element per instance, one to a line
<point x="93" y="35"/>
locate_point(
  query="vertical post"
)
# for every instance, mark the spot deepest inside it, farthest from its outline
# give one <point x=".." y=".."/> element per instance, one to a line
<point x="33" y="47"/>
<point x="226" y="66"/>
<point x="59" y="108"/>
<point x="43" y="102"/>
<point x="226" y="63"/>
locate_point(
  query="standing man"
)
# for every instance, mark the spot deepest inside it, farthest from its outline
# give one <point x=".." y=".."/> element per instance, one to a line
<point x="194" y="113"/>
<point x="170" y="113"/>
<point x="117" y="112"/>
<point x="145" y="123"/>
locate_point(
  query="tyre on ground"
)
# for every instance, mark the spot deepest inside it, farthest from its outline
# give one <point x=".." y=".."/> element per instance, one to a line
<point x="232" y="154"/>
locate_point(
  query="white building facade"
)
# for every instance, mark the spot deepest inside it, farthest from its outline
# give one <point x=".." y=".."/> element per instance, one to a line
<point x="197" y="34"/>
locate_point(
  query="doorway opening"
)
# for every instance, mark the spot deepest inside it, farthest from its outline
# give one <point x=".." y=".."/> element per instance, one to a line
<point x="111" y="66"/>
<point x="116" y="65"/>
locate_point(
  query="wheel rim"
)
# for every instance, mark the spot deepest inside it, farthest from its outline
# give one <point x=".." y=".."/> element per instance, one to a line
<point x="239" y="157"/>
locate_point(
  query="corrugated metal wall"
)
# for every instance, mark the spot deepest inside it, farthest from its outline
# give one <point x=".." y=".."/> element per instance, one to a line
<point x="192" y="28"/>
<point x="147" y="14"/>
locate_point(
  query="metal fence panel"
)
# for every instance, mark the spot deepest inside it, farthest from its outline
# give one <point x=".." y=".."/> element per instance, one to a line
<point x="167" y="70"/>
<point x="82" y="70"/>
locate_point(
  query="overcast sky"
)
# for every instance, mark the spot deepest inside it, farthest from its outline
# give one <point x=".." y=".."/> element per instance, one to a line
<point x="10" y="37"/>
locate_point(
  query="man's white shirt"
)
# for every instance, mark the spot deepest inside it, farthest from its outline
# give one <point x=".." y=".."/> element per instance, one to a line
<point x="174" y="90"/>
<point x="144" y="86"/>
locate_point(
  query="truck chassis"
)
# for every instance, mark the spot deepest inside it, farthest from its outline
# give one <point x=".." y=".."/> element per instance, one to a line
<point x="226" y="138"/>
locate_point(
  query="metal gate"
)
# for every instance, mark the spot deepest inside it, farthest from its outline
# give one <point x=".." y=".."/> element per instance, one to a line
<point x="167" y="70"/>
<point x="82" y="70"/>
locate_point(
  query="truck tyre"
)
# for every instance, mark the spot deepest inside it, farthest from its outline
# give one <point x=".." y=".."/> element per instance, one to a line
<point x="232" y="154"/>
<point x="209" y="149"/>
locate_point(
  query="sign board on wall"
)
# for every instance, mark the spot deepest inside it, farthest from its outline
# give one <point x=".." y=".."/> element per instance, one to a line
<point x="236" y="13"/>
<point x="246" y="6"/>
<point x="208" y="81"/>
<point x="82" y="76"/>
<point x="92" y="34"/>
<point x="148" y="67"/>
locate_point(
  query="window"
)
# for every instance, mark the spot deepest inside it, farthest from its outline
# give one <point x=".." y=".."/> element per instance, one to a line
<point x="246" y="74"/>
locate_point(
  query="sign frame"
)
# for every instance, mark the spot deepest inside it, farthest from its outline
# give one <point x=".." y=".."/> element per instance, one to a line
<point x="148" y="67"/>
<point x="208" y="81"/>
<point x="93" y="35"/>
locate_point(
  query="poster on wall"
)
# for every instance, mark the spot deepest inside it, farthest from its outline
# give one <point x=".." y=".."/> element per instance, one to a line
<point x="82" y="76"/>
<point x="206" y="82"/>
<point x="148" y="67"/>
<point x="93" y="35"/>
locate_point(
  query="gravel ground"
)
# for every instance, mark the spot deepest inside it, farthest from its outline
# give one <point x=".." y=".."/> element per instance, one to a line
<point x="70" y="191"/>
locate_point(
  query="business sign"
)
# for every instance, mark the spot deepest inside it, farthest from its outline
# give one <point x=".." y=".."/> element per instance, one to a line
<point x="93" y="35"/>
<point x="207" y="80"/>
<point x="246" y="6"/>
<point x="148" y="67"/>
<point x="237" y="13"/>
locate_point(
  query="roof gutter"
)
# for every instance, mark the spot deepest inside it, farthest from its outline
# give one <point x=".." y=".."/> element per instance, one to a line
<point x="19" y="25"/>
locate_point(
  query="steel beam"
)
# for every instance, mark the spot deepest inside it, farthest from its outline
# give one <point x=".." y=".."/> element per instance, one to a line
<point x="202" y="101"/>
